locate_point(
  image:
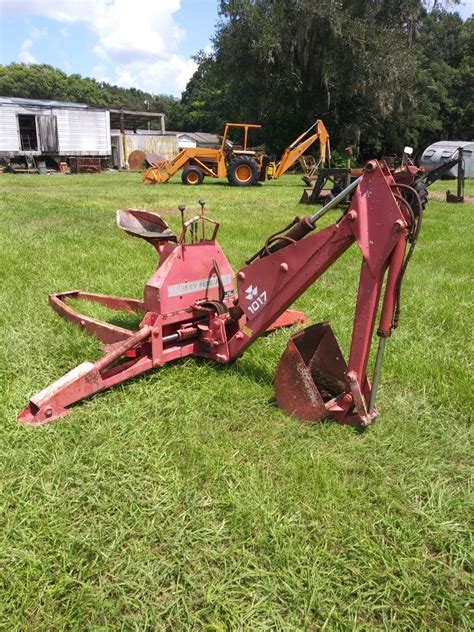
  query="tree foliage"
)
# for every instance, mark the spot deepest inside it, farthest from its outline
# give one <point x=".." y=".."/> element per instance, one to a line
<point x="380" y="73"/>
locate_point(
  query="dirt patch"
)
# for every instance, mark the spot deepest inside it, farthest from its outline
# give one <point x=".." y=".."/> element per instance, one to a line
<point x="436" y="195"/>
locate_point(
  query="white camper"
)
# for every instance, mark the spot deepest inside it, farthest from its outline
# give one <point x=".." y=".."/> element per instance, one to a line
<point x="444" y="150"/>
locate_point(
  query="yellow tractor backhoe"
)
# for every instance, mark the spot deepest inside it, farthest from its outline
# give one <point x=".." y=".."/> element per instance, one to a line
<point x="240" y="164"/>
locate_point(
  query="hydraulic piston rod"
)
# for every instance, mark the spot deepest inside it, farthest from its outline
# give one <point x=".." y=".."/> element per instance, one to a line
<point x="301" y="227"/>
<point x="377" y="372"/>
<point x="335" y="201"/>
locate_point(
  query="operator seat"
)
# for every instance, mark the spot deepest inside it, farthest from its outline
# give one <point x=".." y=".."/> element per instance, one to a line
<point x="145" y="225"/>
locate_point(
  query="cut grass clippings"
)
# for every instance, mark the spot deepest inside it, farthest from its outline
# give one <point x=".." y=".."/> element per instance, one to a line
<point x="185" y="499"/>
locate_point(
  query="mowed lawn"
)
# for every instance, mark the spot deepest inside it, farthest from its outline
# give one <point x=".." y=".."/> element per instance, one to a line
<point x="185" y="499"/>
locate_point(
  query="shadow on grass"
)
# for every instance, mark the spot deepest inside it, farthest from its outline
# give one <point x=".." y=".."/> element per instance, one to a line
<point x="245" y="368"/>
<point x="248" y="370"/>
<point x="218" y="182"/>
<point x="325" y="421"/>
<point x="128" y="321"/>
<point x="119" y="318"/>
<point x="222" y="182"/>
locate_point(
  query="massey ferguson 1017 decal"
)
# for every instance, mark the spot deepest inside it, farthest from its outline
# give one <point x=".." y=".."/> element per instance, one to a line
<point x="258" y="299"/>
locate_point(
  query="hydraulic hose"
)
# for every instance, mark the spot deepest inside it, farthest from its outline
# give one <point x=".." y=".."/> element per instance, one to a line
<point x="299" y="228"/>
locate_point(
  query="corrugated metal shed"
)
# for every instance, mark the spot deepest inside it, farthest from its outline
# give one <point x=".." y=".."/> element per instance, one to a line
<point x="444" y="150"/>
<point x="150" y="142"/>
<point x="56" y="128"/>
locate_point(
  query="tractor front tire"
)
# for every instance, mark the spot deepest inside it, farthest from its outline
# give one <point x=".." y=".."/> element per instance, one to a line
<point x="243" y="171"/>
<point x="192" y="176"/>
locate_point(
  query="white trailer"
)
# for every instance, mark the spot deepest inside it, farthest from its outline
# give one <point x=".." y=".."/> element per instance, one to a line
<point x="33" y="127"/>
<point x="445" y="150"/>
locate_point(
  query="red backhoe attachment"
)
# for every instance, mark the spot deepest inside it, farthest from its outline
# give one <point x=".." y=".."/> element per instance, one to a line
<point x="190" y="306"/>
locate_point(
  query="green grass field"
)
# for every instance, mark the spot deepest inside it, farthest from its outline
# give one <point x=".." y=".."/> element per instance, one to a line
<point x="441" y="186"/>
<point x="185" y="499"/>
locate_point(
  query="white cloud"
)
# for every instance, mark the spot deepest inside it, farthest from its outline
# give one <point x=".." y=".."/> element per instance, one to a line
<point x="137" y="41"/>
<point x="69" y="11"/>
<point x="25" y="55"/>
<point x="37" y="34"/>
<point x="100" y="73"/>
<point x="174" y="71"/>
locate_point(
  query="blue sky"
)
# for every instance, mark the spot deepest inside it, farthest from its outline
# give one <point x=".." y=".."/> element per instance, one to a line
<point x="145" y="44"/>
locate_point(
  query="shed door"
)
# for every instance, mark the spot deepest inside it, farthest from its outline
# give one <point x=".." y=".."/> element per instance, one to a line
<point x="48" y="132"/>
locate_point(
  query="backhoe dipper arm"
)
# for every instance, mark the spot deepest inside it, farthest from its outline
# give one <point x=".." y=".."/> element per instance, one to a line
<point x="440" y="171"/>
<point x="298" y="147"/>
<point x="272" y="283"/>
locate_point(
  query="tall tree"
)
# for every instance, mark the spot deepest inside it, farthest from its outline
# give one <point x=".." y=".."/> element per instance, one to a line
<point x="366" y="67"/>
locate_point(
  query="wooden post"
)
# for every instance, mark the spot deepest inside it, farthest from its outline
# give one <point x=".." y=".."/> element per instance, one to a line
<point x="123" y="144"/>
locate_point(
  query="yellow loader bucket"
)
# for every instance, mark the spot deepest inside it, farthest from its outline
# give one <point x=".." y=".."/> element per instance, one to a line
<point x="156" y="175"/>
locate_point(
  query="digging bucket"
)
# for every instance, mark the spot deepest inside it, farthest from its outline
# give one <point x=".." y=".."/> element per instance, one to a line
<point x="311" y="372"/>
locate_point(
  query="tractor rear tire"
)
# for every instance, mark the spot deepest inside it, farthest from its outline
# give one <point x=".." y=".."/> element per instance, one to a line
<point x="192" y="176"/>
<point x="243" y="171"/>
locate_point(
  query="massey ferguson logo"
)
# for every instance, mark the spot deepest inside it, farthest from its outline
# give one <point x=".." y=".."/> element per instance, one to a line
<point x="251" y="292"/>
<point x="258" y="299"/>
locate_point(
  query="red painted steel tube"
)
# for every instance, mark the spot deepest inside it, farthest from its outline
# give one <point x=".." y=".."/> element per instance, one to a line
<point x="364" y="320"/>
<point x="307" y="260"/>
<point x="105" y="332"/>
<point x="120" y="349"/>
<point x="85" y="380"/>
<point x="388" y="308"/>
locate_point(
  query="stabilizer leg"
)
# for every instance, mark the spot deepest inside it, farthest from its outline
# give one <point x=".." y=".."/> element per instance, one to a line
<point x="105" y="332"/>
<point x="87" y="379"/>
